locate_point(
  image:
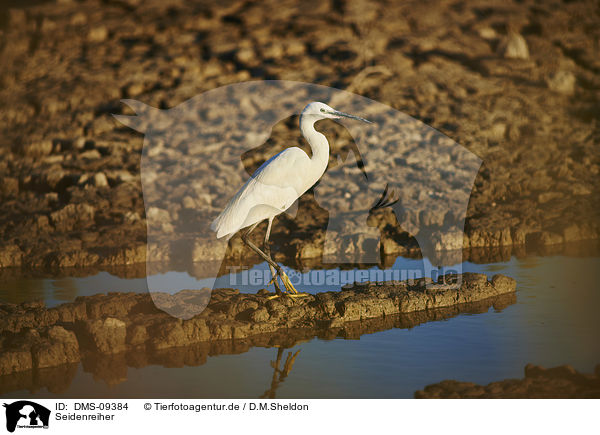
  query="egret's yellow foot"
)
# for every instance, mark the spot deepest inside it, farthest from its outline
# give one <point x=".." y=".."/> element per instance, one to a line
<point x="287" y="295"/>
<point x="288" y="284"/>
<point x="291" y="290"/>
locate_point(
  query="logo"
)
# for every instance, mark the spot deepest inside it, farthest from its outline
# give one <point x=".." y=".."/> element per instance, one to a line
<point x="26" y="414"/>
<point x="197" y="155"/>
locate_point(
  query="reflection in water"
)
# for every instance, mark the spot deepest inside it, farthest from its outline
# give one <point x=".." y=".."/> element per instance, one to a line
<point x="21" y="289"/>
<point x="112" y="370"/>
<point x="65" y="289"/>
<point x="553" y="322"/>
<point x="15" y="288"/>
<point x="280" y="375"/>
<point x="55" y="380"/>
<point x="57" y="285"/>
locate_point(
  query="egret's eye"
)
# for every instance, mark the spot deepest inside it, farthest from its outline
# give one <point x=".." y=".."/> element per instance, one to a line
<point x="322" y="110"/>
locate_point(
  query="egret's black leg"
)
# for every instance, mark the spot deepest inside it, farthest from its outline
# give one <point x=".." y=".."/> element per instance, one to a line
<point x="291" y="290"/>
<point x="268" y="252"/>
<point x="267" y="258"/>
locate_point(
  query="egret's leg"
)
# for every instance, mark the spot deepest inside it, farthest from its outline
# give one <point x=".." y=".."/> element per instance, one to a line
<point x="284" y="278"/>
<point x="264" y="256"/>
<point x="268" y="252"/>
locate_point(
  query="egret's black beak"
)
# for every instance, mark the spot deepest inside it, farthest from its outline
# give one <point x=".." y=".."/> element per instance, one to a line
<point x="346" y="115"/>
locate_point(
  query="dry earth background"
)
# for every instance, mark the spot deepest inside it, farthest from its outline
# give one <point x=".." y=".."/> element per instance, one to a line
<point x="517" y="83"/>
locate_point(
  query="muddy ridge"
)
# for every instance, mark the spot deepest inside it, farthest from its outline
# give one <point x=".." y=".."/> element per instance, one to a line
<point x="113" y="368"/>
<point x="563" y="382"/>
<point x="35" y="337"/>
<point x="517" y="83"/>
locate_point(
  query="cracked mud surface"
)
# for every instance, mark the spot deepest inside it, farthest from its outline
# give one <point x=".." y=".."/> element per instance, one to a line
<point x="516" y="83"/>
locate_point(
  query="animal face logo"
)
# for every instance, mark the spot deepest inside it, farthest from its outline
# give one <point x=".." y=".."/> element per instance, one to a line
<point x="26" y="414"/>
<point x="198" y="154"/>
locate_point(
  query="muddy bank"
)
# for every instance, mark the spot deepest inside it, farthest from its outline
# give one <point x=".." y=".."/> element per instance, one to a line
<point x="496" y="78"/>
<point x="112" y="368"/>
<point x="199" y="270"/>
<point x="562" y="382"/>
<point x="34" y="337"/>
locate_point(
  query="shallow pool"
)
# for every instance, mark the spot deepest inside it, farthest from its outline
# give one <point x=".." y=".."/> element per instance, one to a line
<point x="554" y="321"/>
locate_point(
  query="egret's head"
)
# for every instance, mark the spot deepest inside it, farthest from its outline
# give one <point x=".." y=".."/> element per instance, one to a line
<point x="323" y="111"/>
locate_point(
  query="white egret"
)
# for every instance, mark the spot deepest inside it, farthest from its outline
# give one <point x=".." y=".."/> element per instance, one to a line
<point x="275" y="186"/>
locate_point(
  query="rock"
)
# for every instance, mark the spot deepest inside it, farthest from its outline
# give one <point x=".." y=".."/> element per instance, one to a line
<point x="562" y="82"/>
<point x="504" y="284"/>
<point x="514" y="46"/>
<point x="127" y="255"/>
<point x="90" y="155"/>
<point x="53" y="134"/>
<point x="32" y="348"/>
<point x="116" y="305"/>
<point x="98" y="34"/>
<point x="575" y="232"/>
<point x="488" y="33"/>
<point x="548" y="196"/>
<point x="78" y="19"/>
<point x="60" y="347"/>
<point x="158" y="215"/>
<point x="539" y="383"/>
<point x="17" y="17"/>
<point x="203" y="250"/>
<point x="310" y="250"/>
<point x="245" y="55"/>
<point x="10" y="256"/>
<point x="295" y="47"/>
<point x="541" y="238"/>
<point x="482" y="238"/>
<point x="132" y="217"/>
<point x="38" y="148"/>
<point x="134" y="89"/>
<point x="71" y="312"/>
<point x="167" y="334"/>
<point x="260" y="315"/>
<point x="73" y="216"/>
<point x="9" y="187"/>
<point x="432" y="218"/>
<point x="137" y="334"/>
<point x="36" y="337"/>
<point x="498" y="131"/>
<point x="447" y="240"/>
<point x="12" y="361"/>
<point x="107" y="335"/>
<point x="580" y="189"/>
<point x="100" y="180"/>
<point x="392" y="246"/>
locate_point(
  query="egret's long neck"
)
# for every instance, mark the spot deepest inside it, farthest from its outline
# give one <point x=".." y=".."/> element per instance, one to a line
<point x="318" y="143"/>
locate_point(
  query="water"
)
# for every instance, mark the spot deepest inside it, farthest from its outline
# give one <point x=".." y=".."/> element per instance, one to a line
<point x="554" y="321"/>
<point x="54" y="291"/>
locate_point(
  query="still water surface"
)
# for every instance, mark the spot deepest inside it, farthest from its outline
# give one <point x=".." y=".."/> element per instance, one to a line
<point x="554" y="321"/>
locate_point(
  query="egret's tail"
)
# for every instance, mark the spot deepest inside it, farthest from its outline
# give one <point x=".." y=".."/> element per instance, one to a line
<point x="218" y="226"/>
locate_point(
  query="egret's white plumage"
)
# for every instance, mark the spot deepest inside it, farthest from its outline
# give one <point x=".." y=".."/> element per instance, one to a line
<point x="271" y="190"/>
<point x="281" y="180"/>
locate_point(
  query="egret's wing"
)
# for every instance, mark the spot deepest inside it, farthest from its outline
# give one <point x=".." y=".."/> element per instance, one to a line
<point x="285" y="169"/>
<point x="272" y="189"/>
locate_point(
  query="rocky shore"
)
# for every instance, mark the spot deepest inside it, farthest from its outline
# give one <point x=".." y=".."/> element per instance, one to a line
<point x="516" y="83"/>
<point x="112" y="369"/>
<point x="34" y="337"/>
<point x="563" y="382"/>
